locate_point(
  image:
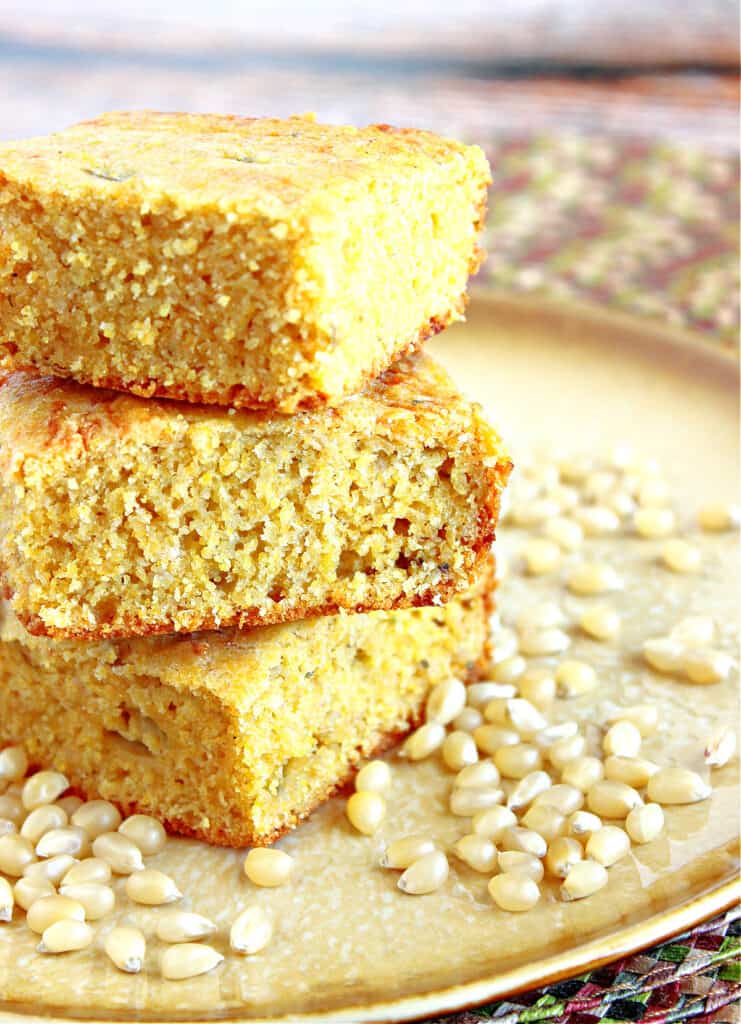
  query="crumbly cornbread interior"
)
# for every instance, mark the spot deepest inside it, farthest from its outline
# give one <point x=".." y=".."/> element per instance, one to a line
<point x="232" y="260"/>
<point x="232" y="736"/>
<point x="121" y="516"/>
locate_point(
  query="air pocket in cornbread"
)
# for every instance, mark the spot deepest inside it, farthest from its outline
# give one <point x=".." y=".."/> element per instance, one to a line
<point x="231" y="260"/>
<point x="233" y="737"/>
<point x="121" y="516"/>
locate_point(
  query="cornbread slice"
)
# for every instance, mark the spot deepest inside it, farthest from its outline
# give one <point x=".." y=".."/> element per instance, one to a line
<point x="121" y="516"/>
<point x="232" y="737"/>
<point x="231" y="260"/>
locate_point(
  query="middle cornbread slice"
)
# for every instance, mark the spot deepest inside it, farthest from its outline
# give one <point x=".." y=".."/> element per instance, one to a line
<point x="121" y="516"/>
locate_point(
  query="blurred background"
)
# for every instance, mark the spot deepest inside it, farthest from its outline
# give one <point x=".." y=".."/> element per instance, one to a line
<point x="612" y="127"/>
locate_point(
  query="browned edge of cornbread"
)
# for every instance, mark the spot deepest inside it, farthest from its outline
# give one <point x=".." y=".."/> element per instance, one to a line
<point x="219" y="837"/>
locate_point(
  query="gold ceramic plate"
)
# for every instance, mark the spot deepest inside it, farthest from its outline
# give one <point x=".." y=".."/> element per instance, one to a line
<point x="350" y="947"/>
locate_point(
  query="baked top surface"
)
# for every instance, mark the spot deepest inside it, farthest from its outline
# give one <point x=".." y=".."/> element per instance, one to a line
<point x="234" y="162"/>
<point x="39" y="413"/>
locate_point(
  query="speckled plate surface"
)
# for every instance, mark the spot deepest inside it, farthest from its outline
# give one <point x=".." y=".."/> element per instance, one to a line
<point x="348" y="945"/>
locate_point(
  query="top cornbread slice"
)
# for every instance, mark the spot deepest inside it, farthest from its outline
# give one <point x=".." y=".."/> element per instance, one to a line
<point x="124" y="516"/>
<point x="228" y="260"/>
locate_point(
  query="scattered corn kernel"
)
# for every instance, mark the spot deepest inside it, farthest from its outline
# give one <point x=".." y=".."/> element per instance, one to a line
<point x="478" y="852"/>
<point x="540" y="642"/>
<point x="12" y="809"/>
<point x="721" y="747"/>
<point x="680" y="556"/>
<point x="119" y="852"/>
<point x="400" y="853"/>
<point x="633" y="771"/>
<point x="423" y="741"/>
<point x="97" y="817"/>
<point x="183" y="926"/>
<point x="465" y="801"/>
<point x="71" y="840"/>
<point x="600" y="622"/>
<point x="251" y="931"/>
<point x="582" y="773"/>
<point x="608" y="845"/>
<point x="41" y="820"/>
<point x="515" y="861"/>
<point x="481" y="694"/>
<point x="43" y="788"/>
<point x="562" y="752"/>
<point x="268" y="867"/>
<point x="565" y="532"/>
<point x="596" y="520"/>
<point x="490" y="738"/>
<point x="593" y="578"/>
<point x="675" y="785"/>
<point x="374" y="777"/>
<point x="645" y="717"/>
<point x="623" y="739"/>
<point x="582" y="823"/>
<point x="546" y="821"/>
<point x="65" y="936"/>
<point x="706" y="666"/>
<point x="151" y="888"/>
<point x="585" y="878"/>
<point x="566" y="799"/>
<point x="612" y="799"/>
<point x="719" y="515"/>
<point x="509" y="670"/>
<point x="459" y="750"/>
<point x="517" y="760"/>
<point x="574" y="678"/>
<point x="425" y="875"/>
<point x="654" y="523"/>
<point x="541" y="556"/>
<point x="28" y="890"/>
<point x="528" y="788"/>
<point x="365" y="811"/>
<point x="13" y="764"/>
<point x="644" y="824"/>
<point x="145" y="832"/>
<point x="468" y="720"/>
<point x="483" y="773"/>
<point x="7" y="899"/>
<point x="69" y="804"/>
<point x="514" y="891"/>
<point x="97" y="899"/>
<point x="15" y="854"/>
<point x="563" y="853"/>
<point x="49" y="909"/>
<point x="446" y="700"/>
<point x="188" y="960"/>
<point x="52" y="870"/>
<point x="663" y="654"/>
<point x="126" y="947"/>
<point x="523" y="839"/>
<point x="538" y="685"/>
<point x="493" y="821"/>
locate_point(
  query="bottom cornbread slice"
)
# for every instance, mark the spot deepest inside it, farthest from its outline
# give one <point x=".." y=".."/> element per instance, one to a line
<point x="233" y="737"/>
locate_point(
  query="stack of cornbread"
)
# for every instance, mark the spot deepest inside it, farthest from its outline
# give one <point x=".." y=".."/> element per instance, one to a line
<point x="242" y="570"/>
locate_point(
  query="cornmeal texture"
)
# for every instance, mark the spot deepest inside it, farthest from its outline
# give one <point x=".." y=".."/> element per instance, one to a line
<point x="237" y="261"/>
<point x="232" y="737"/>
<point x="121" y="516"/>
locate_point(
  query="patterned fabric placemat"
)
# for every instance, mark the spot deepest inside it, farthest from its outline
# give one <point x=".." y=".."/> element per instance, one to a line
<point x="695" y="976"/>
<point x="650" y="229"/>
<point x="645" y="227"/>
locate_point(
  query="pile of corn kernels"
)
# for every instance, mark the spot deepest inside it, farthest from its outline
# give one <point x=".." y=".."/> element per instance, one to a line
<point x="536" y="799"/>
